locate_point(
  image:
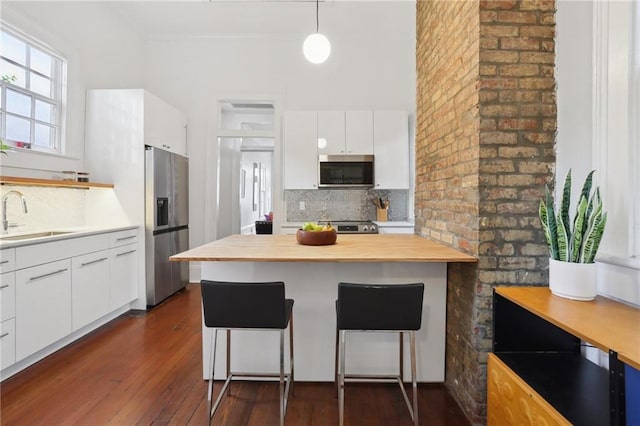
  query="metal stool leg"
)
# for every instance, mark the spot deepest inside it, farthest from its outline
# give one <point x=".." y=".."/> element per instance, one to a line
<point x="413" y="377"/>
<point x="281" y="378"/>
<point x="291" y="377"/>
<point x="335" y="365"/>
<point x="343" y="335"/>
<point x="401" y="356"/>
<point x="212" y="363"/>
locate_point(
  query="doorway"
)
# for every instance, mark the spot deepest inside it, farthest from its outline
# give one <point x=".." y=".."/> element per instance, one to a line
<point x="245" y="164"/>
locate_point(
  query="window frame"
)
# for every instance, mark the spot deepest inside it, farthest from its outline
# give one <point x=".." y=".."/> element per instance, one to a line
<point x="58" y="81"/>
<point x="610" y="110"/>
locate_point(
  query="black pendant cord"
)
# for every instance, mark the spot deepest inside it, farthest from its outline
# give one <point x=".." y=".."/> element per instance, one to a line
<point x="317" y="16"/>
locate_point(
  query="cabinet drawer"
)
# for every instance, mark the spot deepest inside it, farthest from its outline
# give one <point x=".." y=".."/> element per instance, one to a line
<point x="511" y="401"/>
<point x="122" y="238"/>
<point x="7" y="295"/>
<point x="43" y="306"/>
<point x="7" y="260"/>
<point x="7" y="343"/>
<point x="41" y="253"/>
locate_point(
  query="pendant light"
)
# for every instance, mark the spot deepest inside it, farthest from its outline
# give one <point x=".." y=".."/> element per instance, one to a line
<point x="316" y="47"/>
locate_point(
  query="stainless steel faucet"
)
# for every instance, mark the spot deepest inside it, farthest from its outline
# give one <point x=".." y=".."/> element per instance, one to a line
<point x="5" y="222"/>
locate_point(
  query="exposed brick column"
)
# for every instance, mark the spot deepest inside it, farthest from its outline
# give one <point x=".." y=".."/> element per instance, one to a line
<point x="486" y="121"/>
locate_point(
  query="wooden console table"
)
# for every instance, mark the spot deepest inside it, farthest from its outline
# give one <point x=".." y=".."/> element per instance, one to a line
<point x="536" y="374"/>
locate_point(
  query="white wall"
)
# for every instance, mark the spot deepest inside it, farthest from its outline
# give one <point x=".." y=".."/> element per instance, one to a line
<point x="101" y="52"/>
<point x="593" y="129"/>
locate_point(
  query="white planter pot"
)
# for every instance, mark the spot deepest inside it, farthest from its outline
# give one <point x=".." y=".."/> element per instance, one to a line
<point x="575" y="281"/>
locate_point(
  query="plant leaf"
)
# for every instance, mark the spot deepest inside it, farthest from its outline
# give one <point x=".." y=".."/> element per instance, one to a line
<point x="563" y="248"/>
<point x="542" y="213"/>
<point x="579" y="225"/>
<point x="551" y="224"/>
<point x="565" y="203"/>
<point x="594" y="237"/>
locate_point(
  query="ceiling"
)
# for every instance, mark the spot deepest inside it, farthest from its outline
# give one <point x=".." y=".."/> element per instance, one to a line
<point x="222" y="18"/>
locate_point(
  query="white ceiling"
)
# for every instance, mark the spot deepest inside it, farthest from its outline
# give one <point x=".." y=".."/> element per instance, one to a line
<point x="228" y="18"/>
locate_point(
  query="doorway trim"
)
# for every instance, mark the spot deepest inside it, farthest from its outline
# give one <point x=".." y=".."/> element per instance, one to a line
<point x="211" y="181"/>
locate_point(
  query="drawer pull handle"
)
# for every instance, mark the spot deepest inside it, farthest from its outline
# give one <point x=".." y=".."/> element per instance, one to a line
<point x="3" y="262"/>
<point x="4" y="286"/>
<point x="3" y="335"/>
<point x="102" y="259"/>
<point x="125" y="238"/>
<point x="126" y="252"/>
<point x="47" y="275"/>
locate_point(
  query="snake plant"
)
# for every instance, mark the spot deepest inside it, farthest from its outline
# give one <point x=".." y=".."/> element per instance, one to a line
<point x="578" y="241"/>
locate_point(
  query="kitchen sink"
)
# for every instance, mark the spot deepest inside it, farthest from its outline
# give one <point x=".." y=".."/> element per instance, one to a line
<point x="32" y="235"/>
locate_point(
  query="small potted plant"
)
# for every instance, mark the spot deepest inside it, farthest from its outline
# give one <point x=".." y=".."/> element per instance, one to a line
<point x="4" y="148"/>
<point x="573" y="245"/>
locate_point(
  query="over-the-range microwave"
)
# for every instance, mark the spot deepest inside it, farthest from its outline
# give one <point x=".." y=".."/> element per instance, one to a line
<point x="345" y="171"/>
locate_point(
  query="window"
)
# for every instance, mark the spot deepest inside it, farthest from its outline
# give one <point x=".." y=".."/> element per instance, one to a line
<point x="32" y="97"/>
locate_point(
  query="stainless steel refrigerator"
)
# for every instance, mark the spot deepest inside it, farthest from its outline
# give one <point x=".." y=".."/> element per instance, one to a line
<point x="167" y="222"/>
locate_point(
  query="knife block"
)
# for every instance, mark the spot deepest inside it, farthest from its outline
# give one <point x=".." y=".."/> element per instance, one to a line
<point x="382" y="214"/>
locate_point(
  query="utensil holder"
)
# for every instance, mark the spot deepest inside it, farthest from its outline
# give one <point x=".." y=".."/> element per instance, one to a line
<point x="382" y="214"/>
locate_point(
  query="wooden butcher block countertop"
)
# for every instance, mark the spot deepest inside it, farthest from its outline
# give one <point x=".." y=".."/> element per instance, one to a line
<point x="348" y="248"/>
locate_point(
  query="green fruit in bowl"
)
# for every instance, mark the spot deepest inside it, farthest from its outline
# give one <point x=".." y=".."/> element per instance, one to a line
<point x="310" y="226"/>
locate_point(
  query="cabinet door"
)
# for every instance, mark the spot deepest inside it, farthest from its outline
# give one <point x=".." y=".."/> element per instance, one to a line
<point x="391" y="149"/>
<point x="123" y="274"/>
<point x="7" y="295"/>
<point x="43" y="306"/>
<point x="359" y="132"/>
<point x="89" y="288"/>
<point x="300" y="150"/>
<point x="164" y="125"/>
<point x="7" y="343"/>
<point x="331" y="132"/>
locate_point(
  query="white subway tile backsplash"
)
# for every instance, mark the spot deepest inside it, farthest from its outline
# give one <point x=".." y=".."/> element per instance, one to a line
<point x="47" y="208"/>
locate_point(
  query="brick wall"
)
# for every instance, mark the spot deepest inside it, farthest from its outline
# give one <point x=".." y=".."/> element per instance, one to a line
<point x="485" y="131"/>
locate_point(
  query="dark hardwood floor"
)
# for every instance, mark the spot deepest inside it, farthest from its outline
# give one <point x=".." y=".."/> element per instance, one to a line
<point x="146" y="369"/>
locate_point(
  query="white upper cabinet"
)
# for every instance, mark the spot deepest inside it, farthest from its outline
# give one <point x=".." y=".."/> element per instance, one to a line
<point x="359" y="132"/>
<point x="164" y="126"/>
<point x="331" y="132"/>
<point x="345" y="133"/>
<point x="391" y="149"/>
<point x="300" y="150"/>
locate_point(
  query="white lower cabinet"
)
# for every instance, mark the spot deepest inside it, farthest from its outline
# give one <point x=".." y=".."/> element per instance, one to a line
<point x="60" y="289"/>
<point x="123" y="267"/>
<point x="43" y="306"/>
<point x="7" y="342"/>
<point x="90" y="291"/>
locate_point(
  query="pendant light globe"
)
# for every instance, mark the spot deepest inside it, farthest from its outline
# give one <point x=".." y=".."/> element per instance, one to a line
<point x="316" y="48"/>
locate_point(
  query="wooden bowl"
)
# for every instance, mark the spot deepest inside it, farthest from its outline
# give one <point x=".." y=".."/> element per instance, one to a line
<point x="316" y="238"/>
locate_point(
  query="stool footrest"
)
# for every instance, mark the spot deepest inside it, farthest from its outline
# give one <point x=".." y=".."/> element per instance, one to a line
<point x="257" y="375"/>
<point x="371" y="378"/>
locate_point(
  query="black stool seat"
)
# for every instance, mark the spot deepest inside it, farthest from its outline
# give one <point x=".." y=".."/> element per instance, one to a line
<point x="378" y="307"/>
<point x="248" y="305"/>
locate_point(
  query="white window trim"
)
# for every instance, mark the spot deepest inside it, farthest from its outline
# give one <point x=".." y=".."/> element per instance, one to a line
<point x="601" y="144"/>
<point x="60" y="78"/>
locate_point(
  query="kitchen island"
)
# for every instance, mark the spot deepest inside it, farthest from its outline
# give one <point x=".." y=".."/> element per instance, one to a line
<point x="311" y="275"/>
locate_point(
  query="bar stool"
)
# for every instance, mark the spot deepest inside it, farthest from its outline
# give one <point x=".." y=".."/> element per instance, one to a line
<point x="249" y="306"/>
<point x="379" y="307"/>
